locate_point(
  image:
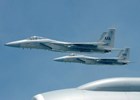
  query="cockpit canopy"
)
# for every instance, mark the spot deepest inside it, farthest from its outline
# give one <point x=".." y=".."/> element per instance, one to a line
<point x="35" y="38"/>
<point x="113" y="84"/>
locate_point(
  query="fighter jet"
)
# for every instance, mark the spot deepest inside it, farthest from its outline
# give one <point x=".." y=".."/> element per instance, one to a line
<point x="103" y="45"/>
<point x="122" y="88"/>
<point x="121" y="59"/>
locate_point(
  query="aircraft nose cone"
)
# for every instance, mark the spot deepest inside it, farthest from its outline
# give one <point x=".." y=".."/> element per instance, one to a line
<point x="38" y="97"/>
<point x="12" y="44"/>
<point x="58" y="59"/>
<point x="7" y="44"/>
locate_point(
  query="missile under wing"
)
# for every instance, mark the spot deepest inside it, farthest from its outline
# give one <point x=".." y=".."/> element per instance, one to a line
<point x="121" y="59"/>
<point x="122" y="88"/>
<point x="103" y="45"/>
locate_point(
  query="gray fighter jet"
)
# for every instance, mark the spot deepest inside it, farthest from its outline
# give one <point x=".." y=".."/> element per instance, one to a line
<point x="123" y="88"/>
<point x="103" y="45"/>
<point x="121" y="59"/>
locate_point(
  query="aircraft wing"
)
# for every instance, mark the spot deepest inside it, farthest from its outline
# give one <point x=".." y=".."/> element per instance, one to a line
<point x="110" y="49"/>
<point x="78" y="45"/>
<point x="45" y="46"/>
<point x="83" y="45"/>
<point x="87" y="60"/>
<point x="80" y="60"/>
<point x="106" y="60"/>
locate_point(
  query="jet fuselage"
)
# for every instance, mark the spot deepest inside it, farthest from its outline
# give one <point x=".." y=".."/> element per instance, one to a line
<point x="59" y="46"/>
<point x="91" y="60"/>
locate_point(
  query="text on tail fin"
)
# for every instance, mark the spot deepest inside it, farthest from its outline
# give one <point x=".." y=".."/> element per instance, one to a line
<point x="108" y="38"/>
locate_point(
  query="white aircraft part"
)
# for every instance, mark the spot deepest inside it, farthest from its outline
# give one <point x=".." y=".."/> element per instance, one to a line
<point x="105" y="44"/>
<point x="88" y="91"/>
<point x="38" y="97"/>
<point x="114" y="84"/>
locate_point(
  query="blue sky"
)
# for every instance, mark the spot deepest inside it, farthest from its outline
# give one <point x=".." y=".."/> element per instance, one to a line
<point x="25" y="73"/>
